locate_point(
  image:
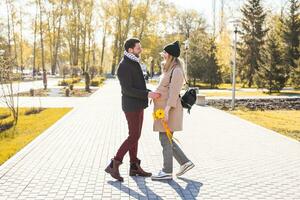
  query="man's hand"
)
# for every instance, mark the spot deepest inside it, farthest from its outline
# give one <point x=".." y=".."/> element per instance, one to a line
<point x="153" y="95"/>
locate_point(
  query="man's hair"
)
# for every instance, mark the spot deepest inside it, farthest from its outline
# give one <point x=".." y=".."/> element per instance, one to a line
<point x="130" y="43"/>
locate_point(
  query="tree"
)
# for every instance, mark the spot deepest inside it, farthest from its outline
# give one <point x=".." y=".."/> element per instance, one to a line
<point x="213" y="74"/>
<point x="188" y="21"/>
<point x="105" y="33"/>
<point x="202" y="62"/>
<point x="54" y="23"/>
<point x="272" y="74"/>
<point x="35" y="41"/>
<point x="86" y="37"/>
<point x="73" y="31"/>
<point x="197" y="57"/>
<point x="9" y="94"/>
<point x="224" y="54"/>
<point x="253" y="38"/>
<point x="21" y="41"/>
<point x="291" y="36"/>
<point x="122" y="10"/>
<point x="295" y="75"/>
<point x="8" y="26"/>
<point x="42" y="46"/>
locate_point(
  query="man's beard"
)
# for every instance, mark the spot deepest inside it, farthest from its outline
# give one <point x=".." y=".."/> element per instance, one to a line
<point x="136" y="55"/>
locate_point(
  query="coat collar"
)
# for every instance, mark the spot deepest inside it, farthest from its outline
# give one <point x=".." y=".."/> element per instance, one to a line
<point x="131" y="57"/>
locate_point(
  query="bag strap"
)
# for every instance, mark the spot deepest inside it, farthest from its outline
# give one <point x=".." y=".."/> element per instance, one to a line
<point x="172" y="75"/>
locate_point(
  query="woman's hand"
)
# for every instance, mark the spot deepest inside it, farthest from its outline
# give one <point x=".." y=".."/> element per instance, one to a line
<point x="167" y="109"/>
<point x="158" y="95"/>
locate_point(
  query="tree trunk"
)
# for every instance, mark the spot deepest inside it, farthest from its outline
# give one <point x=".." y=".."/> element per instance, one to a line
<point x="14" y="36"/>
<point x="83" y="49"/>
<point x="125" y="34"/>
<point x="77" y="35"/>
<point x="103" y="47"/>
<point x="42" y="48"/>
<point x="34" y="42"/>
<point x="144" y="20"/>
<point x="113" y="67"/>
<point x="57" y="44"/>
<point x="50" y="36"/>
<point x="21" y="42"/>
<point x="8" y="28"/>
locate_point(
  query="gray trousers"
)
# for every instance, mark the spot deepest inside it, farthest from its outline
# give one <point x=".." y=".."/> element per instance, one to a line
<point x="170" y="150"/>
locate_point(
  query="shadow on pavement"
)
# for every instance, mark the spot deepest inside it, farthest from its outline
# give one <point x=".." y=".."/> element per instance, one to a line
<point x="191" y="190"/>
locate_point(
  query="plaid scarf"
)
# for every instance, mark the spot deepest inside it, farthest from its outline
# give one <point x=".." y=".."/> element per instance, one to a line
<point x="132" y="57"/>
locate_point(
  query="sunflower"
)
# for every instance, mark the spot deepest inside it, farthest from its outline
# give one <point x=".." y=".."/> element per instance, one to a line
<point x="160" y="114"/>
<point x="154" y="116"/>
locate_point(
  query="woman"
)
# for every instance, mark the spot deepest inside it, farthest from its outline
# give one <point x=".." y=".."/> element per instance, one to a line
<point x="169" y="87"/>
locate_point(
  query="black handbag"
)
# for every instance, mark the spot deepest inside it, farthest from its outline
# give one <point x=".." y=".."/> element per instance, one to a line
<point x="189" y="98"/>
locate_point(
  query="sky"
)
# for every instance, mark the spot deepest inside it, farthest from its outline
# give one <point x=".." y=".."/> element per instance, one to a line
<point x="204" y="7"/>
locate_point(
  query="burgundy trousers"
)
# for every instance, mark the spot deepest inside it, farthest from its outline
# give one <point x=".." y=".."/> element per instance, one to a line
<point x="135" y="123"/>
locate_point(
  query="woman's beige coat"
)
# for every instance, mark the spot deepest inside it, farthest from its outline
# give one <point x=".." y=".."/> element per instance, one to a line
<point x="170" y="96"/>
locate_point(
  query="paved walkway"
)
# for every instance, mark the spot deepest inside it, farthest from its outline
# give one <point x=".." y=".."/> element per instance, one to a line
<point x="234" y="159"/>
<point x="27" y="85"/>
<point x="48" y="102"/>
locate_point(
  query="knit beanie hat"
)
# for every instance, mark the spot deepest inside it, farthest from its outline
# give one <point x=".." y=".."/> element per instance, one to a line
<point x="173" y="49"/>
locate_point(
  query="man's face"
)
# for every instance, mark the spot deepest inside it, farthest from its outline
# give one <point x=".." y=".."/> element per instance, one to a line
<point x="137" y="50"/>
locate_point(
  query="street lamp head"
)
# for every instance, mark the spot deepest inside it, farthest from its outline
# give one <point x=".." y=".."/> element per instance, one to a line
<point x="186" y="44"/>
<point x="236" y="24"/>
<point x="2" y="51"/>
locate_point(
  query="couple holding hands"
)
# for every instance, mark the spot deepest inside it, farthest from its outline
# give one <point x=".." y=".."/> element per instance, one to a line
<point x="166" y="97"/>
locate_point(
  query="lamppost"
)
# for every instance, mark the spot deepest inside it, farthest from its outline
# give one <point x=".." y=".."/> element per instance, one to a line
<point x="235" y="24"/>
<point x="186" y="47"/>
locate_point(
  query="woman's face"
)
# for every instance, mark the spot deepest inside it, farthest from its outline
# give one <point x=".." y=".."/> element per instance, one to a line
<point x="166" y="55"/>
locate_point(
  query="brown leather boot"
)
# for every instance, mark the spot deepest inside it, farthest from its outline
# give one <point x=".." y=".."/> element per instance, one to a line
<point x="136" y="170"/>
<point x="113" y="169"/>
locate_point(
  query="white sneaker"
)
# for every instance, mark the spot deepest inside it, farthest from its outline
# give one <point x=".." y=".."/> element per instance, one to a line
<point x="162" y="176"/>
<point x="184" y="168"/>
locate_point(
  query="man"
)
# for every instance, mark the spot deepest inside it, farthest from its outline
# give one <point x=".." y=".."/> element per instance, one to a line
<point x="134" y="100"/>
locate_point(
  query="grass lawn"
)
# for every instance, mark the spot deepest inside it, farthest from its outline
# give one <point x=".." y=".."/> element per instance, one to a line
<point x="28" y="128"/>
<point x="202" y="85"/>
<point x="286" y="122"/>
<point x="81" y="92"/>
<point x="37" y="92"/>
<point x="252" y="93"/>
<point x="82" y="84"/>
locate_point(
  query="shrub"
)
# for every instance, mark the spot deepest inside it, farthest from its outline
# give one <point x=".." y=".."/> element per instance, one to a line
<point x="33" y="111"/>
<point x="69" y="81"/>
<point x="63" y="83"/>
<point x="97" y="81"/>
<point x="76" y="80"/>
<point x="6" y="125"/>
<point x="4" y="116"/>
